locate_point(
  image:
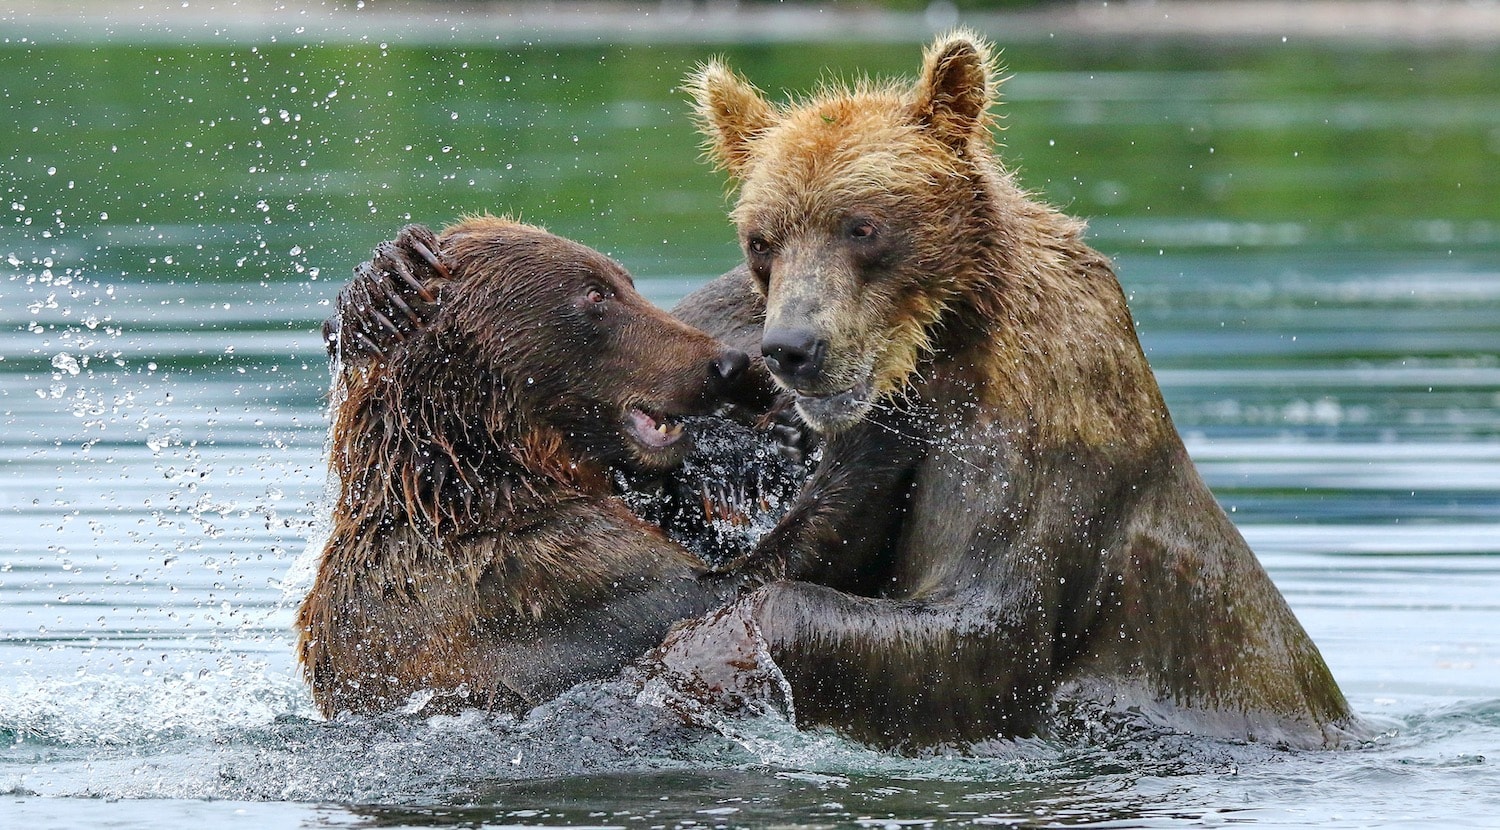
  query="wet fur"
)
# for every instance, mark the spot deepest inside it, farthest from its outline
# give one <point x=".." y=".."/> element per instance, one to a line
<point x="1012" y="520"/>
<point x="478" y="555"/>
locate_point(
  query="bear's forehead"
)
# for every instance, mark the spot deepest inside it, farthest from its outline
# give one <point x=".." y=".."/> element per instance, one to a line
<point x="837" y="143"/>
<point x="840" y="126"/>
<point x="541" y="259"/>
<point x="810" y="181"/>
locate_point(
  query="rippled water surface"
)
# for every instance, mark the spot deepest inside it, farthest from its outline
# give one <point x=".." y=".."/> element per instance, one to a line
<point x="1308" y="235"/>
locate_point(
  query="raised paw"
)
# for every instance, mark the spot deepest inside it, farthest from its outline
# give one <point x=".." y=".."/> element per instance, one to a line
<point x="392" y="296"/>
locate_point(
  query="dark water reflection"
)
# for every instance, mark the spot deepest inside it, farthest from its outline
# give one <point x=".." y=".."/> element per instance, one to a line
<point x="1308" y="236"/>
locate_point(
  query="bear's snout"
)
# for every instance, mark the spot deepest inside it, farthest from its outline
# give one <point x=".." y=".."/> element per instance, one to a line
<point x="795" y="356"/>
<point x="730" y="364"/>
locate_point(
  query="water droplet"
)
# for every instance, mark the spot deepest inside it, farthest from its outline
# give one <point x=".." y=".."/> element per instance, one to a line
<point x="65" y="362"/>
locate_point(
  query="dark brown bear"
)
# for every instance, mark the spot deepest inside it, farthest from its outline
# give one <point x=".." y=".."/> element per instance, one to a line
<point x="1004" y="517"/>
<point x="478" y="554"/>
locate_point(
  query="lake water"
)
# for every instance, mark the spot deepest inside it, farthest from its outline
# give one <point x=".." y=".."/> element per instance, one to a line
<point x="1309" y="236"/>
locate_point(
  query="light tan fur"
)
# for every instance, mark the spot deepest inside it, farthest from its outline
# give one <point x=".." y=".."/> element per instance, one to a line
<point x="989" y="254"/>
<point x="1004" y="513"/>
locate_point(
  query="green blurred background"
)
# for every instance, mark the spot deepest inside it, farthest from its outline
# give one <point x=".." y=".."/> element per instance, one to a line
<point x="258" y="162"/>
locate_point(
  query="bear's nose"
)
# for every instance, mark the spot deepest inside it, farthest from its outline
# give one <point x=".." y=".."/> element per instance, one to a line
<point x="793" y="354"/>
<point x="731" y="364"/>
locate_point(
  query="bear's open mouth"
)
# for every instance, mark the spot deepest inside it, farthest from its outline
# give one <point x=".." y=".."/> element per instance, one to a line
<point x="651" y="430"/>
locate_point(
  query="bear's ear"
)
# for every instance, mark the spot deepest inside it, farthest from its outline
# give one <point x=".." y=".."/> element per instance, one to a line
<point x="956" y="89"/>
<point x="730" y="112"/>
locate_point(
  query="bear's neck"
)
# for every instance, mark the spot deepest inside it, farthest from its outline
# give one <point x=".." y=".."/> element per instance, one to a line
<point x="447" y="466"/>
<point x="1040" y="331"/>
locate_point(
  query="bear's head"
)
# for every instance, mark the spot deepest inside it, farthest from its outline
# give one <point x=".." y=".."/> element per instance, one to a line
<point x="571" y="348"/>
<point x="862" y="212"/>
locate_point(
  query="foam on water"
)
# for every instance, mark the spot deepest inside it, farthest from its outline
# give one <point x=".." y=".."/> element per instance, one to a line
<point x="120" y="710"/>
<point x="198" y="738"/>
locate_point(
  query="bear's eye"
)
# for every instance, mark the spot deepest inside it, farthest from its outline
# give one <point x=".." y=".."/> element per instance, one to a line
<point x="758" y="245"/>
<point x="862" y="230"/>
<point x="596" y="301"/>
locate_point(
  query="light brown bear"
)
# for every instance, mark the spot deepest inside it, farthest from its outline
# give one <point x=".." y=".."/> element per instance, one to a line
<point x="479" y="555"/>
<point x="1004" y="518"/>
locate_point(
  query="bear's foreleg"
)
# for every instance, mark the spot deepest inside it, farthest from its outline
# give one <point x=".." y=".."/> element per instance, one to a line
<point x="842" y="529"/>
<point x="902" y="675"/>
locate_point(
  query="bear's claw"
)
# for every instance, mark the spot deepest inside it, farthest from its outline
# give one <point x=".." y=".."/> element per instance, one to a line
<point x="389" y="299"/>
<point x="432" y="259"/>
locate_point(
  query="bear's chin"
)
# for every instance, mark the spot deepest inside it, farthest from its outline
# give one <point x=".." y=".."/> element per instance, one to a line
<point x="829" y="414"/>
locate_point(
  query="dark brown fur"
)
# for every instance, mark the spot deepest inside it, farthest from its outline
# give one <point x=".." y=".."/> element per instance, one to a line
<point x="1004" y="516"/>
<point x="477" y="554"/>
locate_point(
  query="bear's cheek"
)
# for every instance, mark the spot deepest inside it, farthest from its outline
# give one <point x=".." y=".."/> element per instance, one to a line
<point x="869" y="324"/>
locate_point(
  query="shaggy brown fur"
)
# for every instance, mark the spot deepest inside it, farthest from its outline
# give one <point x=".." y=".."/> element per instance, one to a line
<point x="477" y="555"/>
<point x="1004" y="516"/>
